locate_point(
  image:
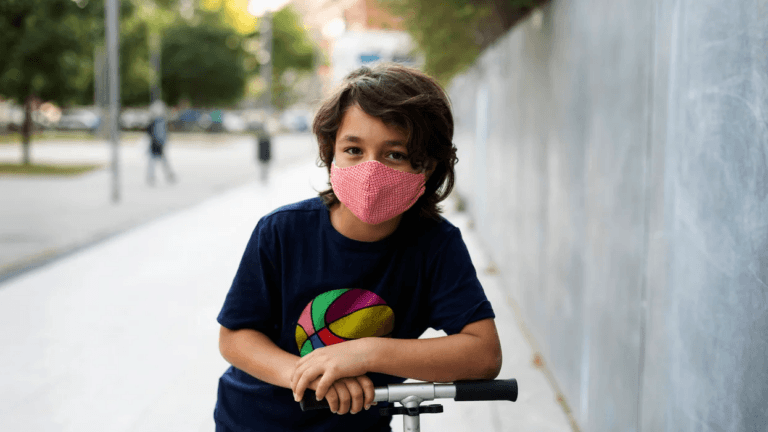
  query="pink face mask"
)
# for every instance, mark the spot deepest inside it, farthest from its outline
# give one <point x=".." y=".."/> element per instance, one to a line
<point x="375" y="192"/>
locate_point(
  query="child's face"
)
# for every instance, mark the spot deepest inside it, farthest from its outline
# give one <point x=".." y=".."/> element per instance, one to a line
<point x="362" y="138"/>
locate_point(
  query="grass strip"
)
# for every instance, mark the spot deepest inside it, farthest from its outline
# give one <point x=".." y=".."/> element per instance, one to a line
<point x="54" y="135"/>
<point x="46" y="170"/>
<point x="15" y="137"/>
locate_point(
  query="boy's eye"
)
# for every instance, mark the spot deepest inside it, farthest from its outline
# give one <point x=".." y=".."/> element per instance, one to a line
<point x="398" y="156"/>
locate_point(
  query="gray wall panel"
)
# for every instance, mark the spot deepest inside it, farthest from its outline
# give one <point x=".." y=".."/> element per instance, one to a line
<point x="619" y="178"/>
<point x="655" y="360"/>
<point x="719" y="218"/>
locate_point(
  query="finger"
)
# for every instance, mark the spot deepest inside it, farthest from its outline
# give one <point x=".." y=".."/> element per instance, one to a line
<point x="344" y="397"/>
<point x="302" y="365"/>
<point x="297" y="372"/>
<point x="357" y="397"/>
<point x="332" y="397"/>
<point x="326" y="381"/>
<point x="297" y="395"/>
<point x="368" y="389"/>
<point x="306" y="377"/>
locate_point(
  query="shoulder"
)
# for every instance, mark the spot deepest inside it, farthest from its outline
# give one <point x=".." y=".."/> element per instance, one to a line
<point x="299" y="213"/>
<point x="297" y="209"/>
<point x="286" y="224"/>
<point x="433" y="233"/>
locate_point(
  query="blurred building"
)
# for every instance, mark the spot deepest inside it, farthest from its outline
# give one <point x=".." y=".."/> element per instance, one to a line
<point x="366" y="15"/>
<point x="353" y="33"/>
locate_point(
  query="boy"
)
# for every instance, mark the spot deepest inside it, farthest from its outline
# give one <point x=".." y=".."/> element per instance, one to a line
<point x="333" y="292"/>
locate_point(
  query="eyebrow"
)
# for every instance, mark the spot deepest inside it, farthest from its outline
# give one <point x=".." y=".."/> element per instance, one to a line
<point x="356" y="139"/>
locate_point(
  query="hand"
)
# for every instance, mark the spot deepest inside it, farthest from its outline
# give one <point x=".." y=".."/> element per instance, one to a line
<point x="330" y="364"/>
<point x="349" y="394"/>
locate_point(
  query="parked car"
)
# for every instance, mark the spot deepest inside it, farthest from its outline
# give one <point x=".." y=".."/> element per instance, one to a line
<point x="135" y="119"/>
<point x="295" y="120"/>
<point x="233" y="122"/>
<point x="79" y="119"/>
<point x="217" y="119"/>
<point x="11" y="117"/>
<point x="187" y="121"/>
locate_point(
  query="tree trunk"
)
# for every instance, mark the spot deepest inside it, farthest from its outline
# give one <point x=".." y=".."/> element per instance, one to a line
<point x="26" y="129"/>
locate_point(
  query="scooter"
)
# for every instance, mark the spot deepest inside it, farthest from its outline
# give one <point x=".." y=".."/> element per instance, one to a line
<point x="411" y="395"/>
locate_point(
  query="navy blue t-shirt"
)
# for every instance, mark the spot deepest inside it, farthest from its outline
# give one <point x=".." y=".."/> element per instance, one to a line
<point x="305" y="285"/>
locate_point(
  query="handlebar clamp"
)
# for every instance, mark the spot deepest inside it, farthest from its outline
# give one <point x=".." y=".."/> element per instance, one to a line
<point x="412" y="411"/>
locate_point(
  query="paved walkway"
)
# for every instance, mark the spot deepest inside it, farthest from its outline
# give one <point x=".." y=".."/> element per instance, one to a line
<point x="121" y="335"/>
<point x="43" y="217"/>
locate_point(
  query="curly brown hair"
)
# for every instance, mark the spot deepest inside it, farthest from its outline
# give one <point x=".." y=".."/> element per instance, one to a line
<point x="409" y="100"/>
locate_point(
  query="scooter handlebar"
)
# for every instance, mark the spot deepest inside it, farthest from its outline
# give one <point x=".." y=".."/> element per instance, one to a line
<point x="485" y="390"/>
<point x="309" y="401"/>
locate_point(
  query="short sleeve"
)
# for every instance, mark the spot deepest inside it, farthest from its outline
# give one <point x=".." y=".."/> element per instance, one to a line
<point x="457" y="298"/>
<point x="253" y="300"/>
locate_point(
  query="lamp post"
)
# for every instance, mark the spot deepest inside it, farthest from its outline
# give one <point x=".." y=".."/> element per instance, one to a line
<point x="111" y="23"/>
<point x="154" y="42"/>
<point x="264" y="9"/>
<point x="267" y="71"/>
<point x="155" y="86"/>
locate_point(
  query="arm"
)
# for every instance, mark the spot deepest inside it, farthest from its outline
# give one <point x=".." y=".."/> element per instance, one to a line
<point x="254" y="353"/>
<point x="474" y="353"/>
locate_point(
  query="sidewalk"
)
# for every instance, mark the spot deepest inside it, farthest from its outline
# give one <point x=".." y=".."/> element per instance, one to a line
<point x="121" y="335"/>
<point x="42" y="218"/>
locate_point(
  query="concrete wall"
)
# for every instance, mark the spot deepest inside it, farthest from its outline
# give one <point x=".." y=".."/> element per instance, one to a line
<point x="614" y="156"/>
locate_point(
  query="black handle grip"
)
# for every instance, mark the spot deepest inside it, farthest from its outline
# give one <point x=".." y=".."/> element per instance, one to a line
<point x="486" y="390"/>
<point x="308" y="402"/>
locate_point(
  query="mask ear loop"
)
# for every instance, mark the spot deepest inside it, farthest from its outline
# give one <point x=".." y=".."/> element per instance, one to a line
<point x="424" y="174"/>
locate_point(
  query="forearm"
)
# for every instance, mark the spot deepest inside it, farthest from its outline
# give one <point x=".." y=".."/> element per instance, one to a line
<point x="255" y="353"/>
<point x="443" y="359"/>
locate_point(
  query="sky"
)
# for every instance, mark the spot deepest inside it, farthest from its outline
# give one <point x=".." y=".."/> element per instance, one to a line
<point x="259" y="7"/>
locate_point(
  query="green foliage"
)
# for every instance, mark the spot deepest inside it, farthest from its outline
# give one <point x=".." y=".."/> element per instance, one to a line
<point x="439" y="25"/>
<point x="46" y="48"/>
<point x="134" y="62"/>
<point x="292" y="53"/>
<point x="452" y="33"/>
<point x="202" y="62"/>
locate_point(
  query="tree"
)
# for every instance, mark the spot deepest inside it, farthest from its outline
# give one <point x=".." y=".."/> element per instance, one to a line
<point x="203" y="61"/>
<point x="136" y="71"/>
<point x="46" y="50"/>
<point x="48" y="47"/>
<point x="292" y="53"/>
<point x="452" y="33"/>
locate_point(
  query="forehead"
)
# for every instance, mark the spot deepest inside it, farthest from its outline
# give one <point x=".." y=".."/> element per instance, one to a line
<point x="358" y="123"/>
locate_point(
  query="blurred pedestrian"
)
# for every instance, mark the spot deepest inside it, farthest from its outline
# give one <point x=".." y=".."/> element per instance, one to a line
<point x="158" y="135"/>
<point x="333" y="292"/>
<point x="263" y="151"/>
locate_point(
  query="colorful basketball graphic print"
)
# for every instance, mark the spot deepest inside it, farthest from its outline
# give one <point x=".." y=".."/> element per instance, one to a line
<point x="340" y="315"/>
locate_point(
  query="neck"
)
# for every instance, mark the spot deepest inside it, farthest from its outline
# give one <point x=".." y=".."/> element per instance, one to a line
<point x="348" y="225"/>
